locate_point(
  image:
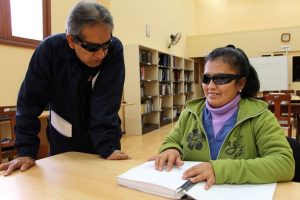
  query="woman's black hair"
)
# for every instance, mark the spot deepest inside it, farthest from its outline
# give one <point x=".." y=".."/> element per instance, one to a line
<point x="238" y="60"/>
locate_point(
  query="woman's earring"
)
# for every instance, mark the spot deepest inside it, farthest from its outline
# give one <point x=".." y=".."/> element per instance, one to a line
<point x="240" y="91"/>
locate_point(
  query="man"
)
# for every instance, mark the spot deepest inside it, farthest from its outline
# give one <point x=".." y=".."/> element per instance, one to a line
<point x="80" y="76"/>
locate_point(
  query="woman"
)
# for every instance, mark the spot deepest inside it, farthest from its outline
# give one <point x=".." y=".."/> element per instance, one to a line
<point x="235" y="136"/>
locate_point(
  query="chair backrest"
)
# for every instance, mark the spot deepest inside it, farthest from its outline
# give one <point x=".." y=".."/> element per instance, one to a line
<point x="278" y="101"/>
<point x="271" y="91"/>
<point x="7" y="118"/>
<point x="8" y="113"/>
<point x="266" y="92"/>
<point x="288" y="91"/>
<point x="295" y="145"/>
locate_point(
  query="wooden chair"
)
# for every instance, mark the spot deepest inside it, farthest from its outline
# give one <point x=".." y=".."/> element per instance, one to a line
<point x="271" y="91"/>
<point x="7" y="119"/>
<point x="295" y="145"/>
<point x="292" y="92"/>
<point x="279" y="100"/>
<point x="266" y="92"/>
<point x="288" y="91"/>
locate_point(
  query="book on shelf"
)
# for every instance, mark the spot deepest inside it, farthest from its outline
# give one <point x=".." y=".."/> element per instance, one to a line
<point x="147" y="106"/>
<point x="142" y="72"/>
<point x="163" y="117"/>
<point x="164" y="60"/>
<point x="176" y="88"/>
<point x="164" y="75"/>
<point x="187" y="76"/>
<point x="159" y="103"/>
<point x="142" y="90"/>
<point x="164" y="88"/>
<point x="169" y="184"/>
<point x="178" y="113"/>
<point x="142" y="109"/>
<point x="176" y="75"/>
<point x="175" y="110"/>
<point x="188" y="88"/>
<point x="145" y="57"/>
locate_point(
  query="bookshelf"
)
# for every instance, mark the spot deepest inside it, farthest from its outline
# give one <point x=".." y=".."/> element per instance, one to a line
<point x="165" y="85"/>
<point x="158" y="84"/>
<point x="178" y="86"/>
<point x="189" y="85"/>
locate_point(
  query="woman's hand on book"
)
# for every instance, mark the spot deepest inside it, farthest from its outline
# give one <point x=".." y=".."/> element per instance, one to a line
<point x="201" y="172"/>
<point x="168" y="158"/>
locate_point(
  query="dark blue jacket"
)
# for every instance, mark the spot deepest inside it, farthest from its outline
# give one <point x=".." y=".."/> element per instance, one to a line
<point x="56" y="78"/>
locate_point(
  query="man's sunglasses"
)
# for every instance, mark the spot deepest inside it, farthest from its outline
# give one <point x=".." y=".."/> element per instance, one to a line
<point x="220" y="79"/>
<point x="93" y="47"/>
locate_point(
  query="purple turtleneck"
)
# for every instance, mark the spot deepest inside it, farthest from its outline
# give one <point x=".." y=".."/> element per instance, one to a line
<point x="222" y="114"/>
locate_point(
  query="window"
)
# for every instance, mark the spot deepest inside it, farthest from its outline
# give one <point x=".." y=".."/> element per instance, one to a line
<point x="24" y="23"/>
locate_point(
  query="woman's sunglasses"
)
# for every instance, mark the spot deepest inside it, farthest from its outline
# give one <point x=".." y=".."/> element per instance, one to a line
<point x="91" y="46"/>
<point x="220" y="79"/>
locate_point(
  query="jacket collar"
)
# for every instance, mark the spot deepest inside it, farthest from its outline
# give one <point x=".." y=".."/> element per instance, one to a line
<point x="248" y="107"/>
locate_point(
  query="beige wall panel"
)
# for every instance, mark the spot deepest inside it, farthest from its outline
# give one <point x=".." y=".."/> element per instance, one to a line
<point x="13" y="65"/>
<point x="254" y="43"/>
<point x="164" y="17"/>
<point x="223" y="16"/>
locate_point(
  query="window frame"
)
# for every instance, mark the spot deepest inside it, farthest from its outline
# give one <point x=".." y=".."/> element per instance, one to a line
<point x="6" y="36"/>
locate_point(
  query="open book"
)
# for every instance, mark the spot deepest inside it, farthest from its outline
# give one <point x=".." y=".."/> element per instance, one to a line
<point x="145" y="178"/>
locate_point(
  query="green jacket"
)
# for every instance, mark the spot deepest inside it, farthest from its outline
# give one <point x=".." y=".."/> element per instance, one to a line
<point x="255" y="150"/>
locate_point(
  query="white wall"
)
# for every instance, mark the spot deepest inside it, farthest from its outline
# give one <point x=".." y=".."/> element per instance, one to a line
<point x="225" y="16"/>
<point x="165" y="17"/>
